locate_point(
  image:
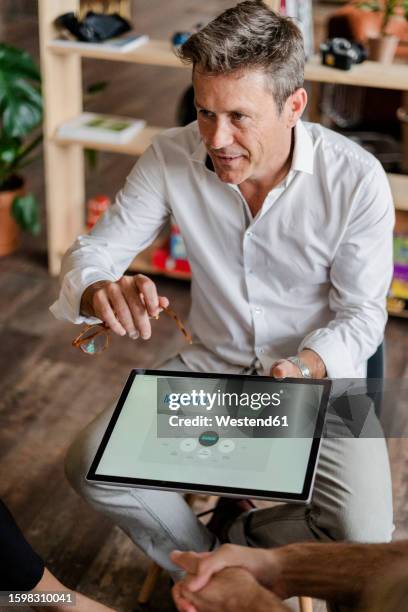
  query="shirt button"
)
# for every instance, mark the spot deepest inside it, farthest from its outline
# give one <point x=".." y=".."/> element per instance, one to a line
<point x="262" y="350"/>
<point x="258" y="310"/>
<point x="249" y="234"/>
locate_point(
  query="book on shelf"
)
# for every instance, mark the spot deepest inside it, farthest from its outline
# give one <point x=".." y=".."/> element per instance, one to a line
<point x="397" y="300"/>
<point x="121" y="44"/>
<point x="94" y="127"/>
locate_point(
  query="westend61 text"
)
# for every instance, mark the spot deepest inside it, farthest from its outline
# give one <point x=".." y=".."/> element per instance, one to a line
<point x="227" y="421"/>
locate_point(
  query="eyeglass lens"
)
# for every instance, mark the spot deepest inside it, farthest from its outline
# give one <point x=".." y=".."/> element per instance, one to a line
<point x="92" y="342"/>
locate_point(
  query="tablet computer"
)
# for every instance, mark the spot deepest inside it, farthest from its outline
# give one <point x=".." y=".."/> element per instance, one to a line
<point x="231" y="435"/>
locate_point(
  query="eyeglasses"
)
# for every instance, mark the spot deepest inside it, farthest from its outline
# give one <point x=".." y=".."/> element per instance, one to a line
<point x="94" y="339"/>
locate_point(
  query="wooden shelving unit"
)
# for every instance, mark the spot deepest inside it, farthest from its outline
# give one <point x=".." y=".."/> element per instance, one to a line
<point x="64" y="164"/>
<point x="136" y="146"/>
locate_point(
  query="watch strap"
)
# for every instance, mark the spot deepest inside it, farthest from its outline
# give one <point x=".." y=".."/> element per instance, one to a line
<point x="304" y="370"/>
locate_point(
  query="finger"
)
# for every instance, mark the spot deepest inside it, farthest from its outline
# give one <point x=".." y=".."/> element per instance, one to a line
<point x="206" y="568"/>
<point x="163" y="302"/>
<point x="138" y="312"/>
<point x="189" y="599"/>
<point x="181" y="603"/>
<point x="186" y="560"/>
<point x="121" y="308"/>
<point x="284" y="368"/>
<point x="103" y="310"/>
<point x="148" y="289"/>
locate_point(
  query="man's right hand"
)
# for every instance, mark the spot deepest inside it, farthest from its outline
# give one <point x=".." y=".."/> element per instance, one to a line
<point x="125" y="305"/>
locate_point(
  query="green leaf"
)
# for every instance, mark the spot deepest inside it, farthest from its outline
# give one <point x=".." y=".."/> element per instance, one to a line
<point x="9" y="150"/>
<point x="91" y="157"/>
<point x="97" y="87"/>
<point x="22" y="107"/>
<point x="25" y="211"/>
<point x="18" y="63"/>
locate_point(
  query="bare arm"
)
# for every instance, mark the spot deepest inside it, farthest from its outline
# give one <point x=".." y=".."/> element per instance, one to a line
<point x="336" y="572"/>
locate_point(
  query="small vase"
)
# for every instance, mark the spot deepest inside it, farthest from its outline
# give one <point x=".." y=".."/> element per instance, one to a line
<point x="9" y="230"/>
<point x="382" y="48"/>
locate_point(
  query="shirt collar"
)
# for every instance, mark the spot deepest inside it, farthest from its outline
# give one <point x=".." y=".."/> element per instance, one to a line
<point x="302" y="153"/>
<point x="302" y="159"/>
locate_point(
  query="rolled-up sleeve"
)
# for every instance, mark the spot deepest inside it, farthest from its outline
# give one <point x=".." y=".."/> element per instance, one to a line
<point x="360" y="277"/>
<point x="128" y="226"/>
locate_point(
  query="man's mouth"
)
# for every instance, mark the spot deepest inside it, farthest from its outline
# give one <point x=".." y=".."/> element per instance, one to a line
<point x="227" y="158"/>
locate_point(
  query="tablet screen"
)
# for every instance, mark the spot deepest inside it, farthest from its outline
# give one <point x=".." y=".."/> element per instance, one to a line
<point x="251" y="436"/>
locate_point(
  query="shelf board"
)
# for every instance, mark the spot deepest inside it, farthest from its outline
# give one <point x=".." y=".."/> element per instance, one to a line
<point x="399" y="188"/>
<point x="367" y="74"/>
<point x="153" y="52"/>
<point x="160" y="53"/>
<point x="136" y="146"/>
<point x="399" y="315"/>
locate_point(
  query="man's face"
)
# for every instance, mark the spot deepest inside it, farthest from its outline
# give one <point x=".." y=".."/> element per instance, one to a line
<point x="240" y="124"/>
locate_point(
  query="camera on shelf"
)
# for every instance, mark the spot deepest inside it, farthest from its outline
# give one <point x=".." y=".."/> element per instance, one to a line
<point x="341" y="53"/>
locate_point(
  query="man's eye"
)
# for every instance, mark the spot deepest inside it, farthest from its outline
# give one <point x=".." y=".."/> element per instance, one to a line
<point x="206" y="114"/>
<point x="238" y="116"/>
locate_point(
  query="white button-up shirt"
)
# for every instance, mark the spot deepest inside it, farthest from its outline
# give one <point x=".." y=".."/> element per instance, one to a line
<point x="311" y="269"/>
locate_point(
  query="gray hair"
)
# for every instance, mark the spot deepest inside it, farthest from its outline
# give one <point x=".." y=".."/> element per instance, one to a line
<point x="250" y="35"/>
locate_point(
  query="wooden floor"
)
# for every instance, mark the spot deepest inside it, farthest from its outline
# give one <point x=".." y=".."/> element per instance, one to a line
<point x="49" y="391"/>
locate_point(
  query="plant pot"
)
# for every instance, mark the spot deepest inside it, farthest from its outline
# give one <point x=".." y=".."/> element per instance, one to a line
<point x="382" y="48"/>
<point x="9" y="230"/>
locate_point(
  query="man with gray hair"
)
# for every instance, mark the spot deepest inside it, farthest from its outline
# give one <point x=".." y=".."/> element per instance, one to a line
<point x="288" y="230"/>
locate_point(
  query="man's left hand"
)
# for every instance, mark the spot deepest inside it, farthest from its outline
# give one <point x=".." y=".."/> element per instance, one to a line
<point x="233" y="589"/>
<point x="286" y="369"/>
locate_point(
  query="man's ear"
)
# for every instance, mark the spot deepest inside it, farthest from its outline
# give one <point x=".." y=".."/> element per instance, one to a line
<point x="295" y="105"/>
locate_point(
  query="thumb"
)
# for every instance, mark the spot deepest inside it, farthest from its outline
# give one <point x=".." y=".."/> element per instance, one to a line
<point x="282" y="369"/>
<point x="188" y="561"/>
<point x="163" y="301"/>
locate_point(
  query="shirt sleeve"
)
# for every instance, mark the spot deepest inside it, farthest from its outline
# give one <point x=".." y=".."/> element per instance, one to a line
<point x="360" y="275"/>
<point x="130" y="225"/>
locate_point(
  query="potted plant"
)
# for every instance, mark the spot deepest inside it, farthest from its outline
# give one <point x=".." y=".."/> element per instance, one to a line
<point x="382" y="47"/>
<point x="20" y="115"/>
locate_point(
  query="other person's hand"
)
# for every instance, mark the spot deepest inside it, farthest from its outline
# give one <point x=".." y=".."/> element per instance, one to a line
<point x="125" y="305"/>
<point x="233" y="589"/>
<point x="264" y="565"/>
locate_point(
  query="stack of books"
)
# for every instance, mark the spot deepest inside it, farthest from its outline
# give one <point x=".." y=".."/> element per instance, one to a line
<point x="397" y="302"/>
<point x="93" y="127"/>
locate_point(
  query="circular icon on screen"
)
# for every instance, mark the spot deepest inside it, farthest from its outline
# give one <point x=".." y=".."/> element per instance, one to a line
<point x="226" y="446"/>
<point x="204" y="453"/>
<point x="208" y="438"/>
<point x="188" y="445"/>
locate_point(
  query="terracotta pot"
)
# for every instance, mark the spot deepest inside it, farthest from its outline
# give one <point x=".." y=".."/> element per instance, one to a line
<point x="382" y="48"/>
<point x="9" y="230"/>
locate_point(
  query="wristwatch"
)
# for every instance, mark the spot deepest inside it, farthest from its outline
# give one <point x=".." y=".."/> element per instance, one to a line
<point x="304" y="370"/>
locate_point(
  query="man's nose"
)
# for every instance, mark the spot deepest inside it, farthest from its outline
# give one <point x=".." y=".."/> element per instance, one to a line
<point x="220" y="135"/>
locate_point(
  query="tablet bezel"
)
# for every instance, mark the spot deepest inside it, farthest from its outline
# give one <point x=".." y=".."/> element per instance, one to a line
<point x="185" y="487"/>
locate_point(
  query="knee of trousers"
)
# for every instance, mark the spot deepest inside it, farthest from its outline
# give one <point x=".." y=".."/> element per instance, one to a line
<point x="357" y="516"/>
<point x="77" y="462"/>
<point x="366" y="525"/>
<point x="76" y="466"/>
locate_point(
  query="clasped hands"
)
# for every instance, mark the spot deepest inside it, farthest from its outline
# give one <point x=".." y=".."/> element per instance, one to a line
<point x="230" y="579"/>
